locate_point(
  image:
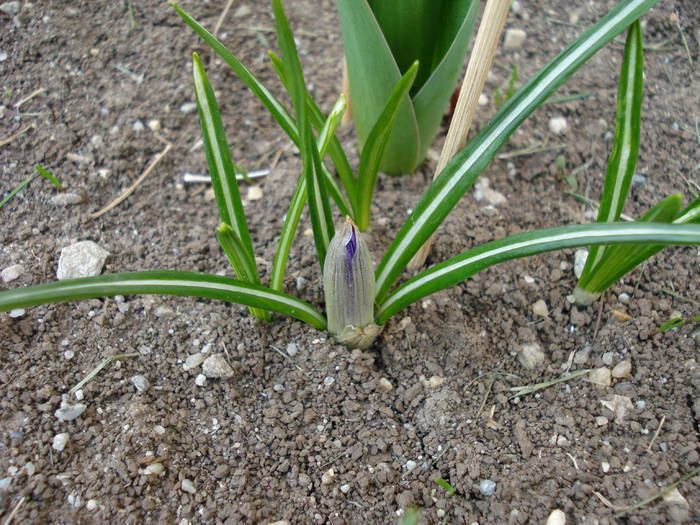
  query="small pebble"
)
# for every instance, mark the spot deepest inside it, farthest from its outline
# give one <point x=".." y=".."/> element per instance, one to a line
<point x="605" y="466"/>
<point x="154" y="125"/>
<point x="188" y="107"/>
<point x="556" y="517"/>
<point x="163" y="312"/>
<point x="5" y="483"/>
<point x="193" y="361"/>
<point x="622" y="370"/>
<point x="345" y="488"/>
<point x="141" y="383"/>
<point x="329" y="381"/>
<point x="530" y="355"/>
<point x="483" y="100"/>
<point x="292" y="349"/>
<point x="91" y="505"/>
<point x="410" y="465"/>
<point x="558" y="125"/>
<point x="624" y="298"/>
<point x="155" y="469"/>
<point x="200" y="380"/>
<point x="514" y="38"/>
<point x="608" y="358"/>
<point x="79" y="395"/>
<point x="255" y="193"/>
<point x="641" y="404"/>
<point x="10" y="8"/>
<point x="60" y="441"/>
<point x="487" y="487"/>
<point x="581" y="356"/>
<point x="327" y="477"/>
<point x="16" y="313"/>
<point x="187" y="486"/>
<point x="68" y="411"/>
<point x="138" y="126"/>
<point x="3" y="57"/>
<point x="540" y="308"/>
<point x="433" y="382"/>
<point x="639" y="179"/>
<point x="67" y="199"/>
<point x="12" y="272"/>
<point x="82" y="259"/>
<point x="600" y="376"/>
<point x="621" y="316"/>
<point x="242" y="11"/>
<point x="384" y="385"/>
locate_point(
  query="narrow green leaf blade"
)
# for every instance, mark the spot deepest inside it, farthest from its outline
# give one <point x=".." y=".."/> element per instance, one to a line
<point x="375" y="145"/>
<point x="48" y="176"/>
<point x="274" y="106"/>
<point x="465" y="265"/>
<point x="319" y="211"/>
<point x="459" y="174"/>
<point x="221" y="167"/>
<point x="165" y="283"/>
<point x="623" y="157"/>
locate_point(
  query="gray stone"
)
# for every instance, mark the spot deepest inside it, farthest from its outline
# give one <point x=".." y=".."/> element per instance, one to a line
<point x="141" y="383"/>
<point x="69" y="412"/>
<point x="10" y="8"/>
<point x="67" y="199"/>
<point x="216" y="367"/>
<point x="12" y="272"/>
<point x="60" y="441"/>
<point x="82" y="259"/>
<point x="514" y="39"/>
<point x="487" y="487"/>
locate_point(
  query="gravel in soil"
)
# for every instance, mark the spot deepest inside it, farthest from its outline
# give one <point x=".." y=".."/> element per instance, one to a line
<point x="296" y="427"/>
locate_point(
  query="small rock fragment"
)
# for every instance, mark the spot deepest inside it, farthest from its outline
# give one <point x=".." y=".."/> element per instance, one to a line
<point x="622" y="370"/>
<point x="540" y="308"/>
<point x="60" y="441"/>
<point x="292" y="349"/>
<point x="600" y="376"/>
<point x="91" y="505"/>
<point x="433" y="382"/>
<point x="487" y="487"/>
<point x="67" y="199"/>
<point x="200" y="380"/>
<point x="621" y="316"/>
<point x="10" y="8"/>
<point x="141" y="383"/>
<point x="580" y="257"/>
<point x="188" y="107"/>
<point x="345" y="488"/>
<point x="384" y="385"/>
<point x="679" y="507"/>
<point x="581" y="356"/>
<point x="531" y="355"/>
<point x="514" y="38"/>
<point x="5" y="483"/>
<point x="255" y="193"/>
<point x="556" y="517"/>
<point x="154" y="469"/>
<point x="16" y="313"/>
<point x="608" y="358"/>
<point x="193" y="361"/>
<point x="163" y="312"/>
<point x="187" y="486"/>
<point x="558" y="125"/>
<point x="619" y="405"/>
<point x="601" y="421"/>
<point x="12" y="272"/>
<point x="328" y="381"/>
<point x="242" y="11"/>
<point x="605" y="467"/>
<point x="410" y="465"/>
<point x="82" y="259"/>
<point x="483" y="191"/>
<point x="68" y="411"/>
<point x="154" y="125"/>
<point x="327" y="477"/>
<point x="624" y="298"/>
<point x="483" y="100"/>
<point x="138" y="126"/>
<point x="216" y="367"/>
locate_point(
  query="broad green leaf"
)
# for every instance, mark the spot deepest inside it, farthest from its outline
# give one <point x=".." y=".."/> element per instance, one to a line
<point x="373" y="73"/>
<point x="461" y="267"/>
<point x="236" y="254"/>
<point x="319" y="211"/>
<point x="375" y="145"/>
<point x="165" y="283"/>
<point x="221" y="167"/>
<point x="460" y="173"/>
<point x="623" y="157"/>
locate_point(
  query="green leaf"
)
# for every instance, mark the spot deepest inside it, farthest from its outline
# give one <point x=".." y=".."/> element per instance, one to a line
<point x="296" y="205"/>
<point x="623" y="157"/>
<point x="276" y="109"/>
<point x="242" y="265"/>
<point x="319" y="211"/>
<point x="459" y="174"/>
<point x="463" y="266"/>
<point x="373" y="150"/>
<point x="446" y="486"/>
<point x="166" y="283"/>
<point x="48" y="176"/>
<point x="373" y="73"/>
<point x="221" y="167"/>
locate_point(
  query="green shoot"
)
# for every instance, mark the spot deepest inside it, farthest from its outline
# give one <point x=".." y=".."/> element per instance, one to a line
<point x="445" y="485"/>
<point x="501" y="98"/>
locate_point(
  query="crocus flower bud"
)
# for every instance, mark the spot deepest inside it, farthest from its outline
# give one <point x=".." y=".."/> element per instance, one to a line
<point x="348" y="282"/>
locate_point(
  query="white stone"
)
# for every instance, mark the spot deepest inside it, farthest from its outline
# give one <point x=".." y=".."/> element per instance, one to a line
<point x="514" y="39"/>
<point x="556" y="517"/>
<point x="138" y="126"/>
<point x="200" y="380"/>
<point x="328" y="381"/>
<point x="292" y="349"/>
<point x="410" y="465"/>
<point x="605" y="467"/>
<point x="154" y="469"/>
<point x="530" y="355"/>
<point x="187" y="486"/>
<point x="540" y="308"/>
<point x="60" y="441"/>
<point x="384" y="385"/>
<point x="242" y="11"/>
<point x="600" y="376"/>
<point x="255" y="193"/>
<point x="82" y="259"/>
<point x="68" y="411"/>
<point x="483" y="100"/>
<point x="558" y="125"/>
<point x="5" y="483"/>
<point x="91" y="505"/>
<point x="345" y="488"/>
<point x="433" y="382"/>
<point x="193" y="361"/>
<point x="622" y="370"/>
<point x="487" y="487"/>
<point x="608" y="358"/>
<point x="154" y="125"/>
<point x="188" y="107"/>
<point x="327" y="477"/>
<point x="580" y="257"/>
<point x="12" y="272"/>
<point x="215" y="366"/>
<point x="141" y="383"/>
<point x="10" y="8"/>
<point x="16" y="313"/>
<point x="67" y="199"/>
<point x="624" y="298"/>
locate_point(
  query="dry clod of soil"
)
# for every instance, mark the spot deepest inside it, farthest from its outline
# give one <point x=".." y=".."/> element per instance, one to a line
<point x="216" y="367"/>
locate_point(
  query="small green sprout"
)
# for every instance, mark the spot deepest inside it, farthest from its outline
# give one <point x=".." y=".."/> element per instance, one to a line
<point x="445" y="485"/>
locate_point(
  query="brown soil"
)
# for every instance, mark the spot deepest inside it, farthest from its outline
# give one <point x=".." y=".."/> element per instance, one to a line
<point x="256" y="447"/>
